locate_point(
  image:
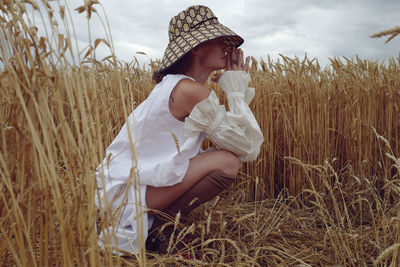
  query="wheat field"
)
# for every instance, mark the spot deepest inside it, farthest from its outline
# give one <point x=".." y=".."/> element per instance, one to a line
<point x="324" y="191"/>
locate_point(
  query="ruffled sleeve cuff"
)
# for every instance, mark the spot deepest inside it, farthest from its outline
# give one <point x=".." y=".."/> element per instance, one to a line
<point x="249" y="95"/>
<point x="235" y="85"/>
<point x="234" y="82"/>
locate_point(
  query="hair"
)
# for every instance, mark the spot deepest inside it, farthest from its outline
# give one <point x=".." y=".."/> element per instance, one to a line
<point x="179" y="67"/>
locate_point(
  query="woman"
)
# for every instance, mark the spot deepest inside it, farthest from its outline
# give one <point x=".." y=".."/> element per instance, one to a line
<point x="155" y="162"/>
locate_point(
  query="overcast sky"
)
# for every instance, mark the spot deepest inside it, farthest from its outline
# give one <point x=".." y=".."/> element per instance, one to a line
<point x="322" y="29"/>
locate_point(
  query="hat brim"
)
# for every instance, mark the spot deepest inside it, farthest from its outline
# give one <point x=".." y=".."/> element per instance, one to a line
<point x="181" y="45"/>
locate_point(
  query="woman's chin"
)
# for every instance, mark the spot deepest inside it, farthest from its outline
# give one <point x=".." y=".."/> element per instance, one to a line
<point x="222" y="66"/>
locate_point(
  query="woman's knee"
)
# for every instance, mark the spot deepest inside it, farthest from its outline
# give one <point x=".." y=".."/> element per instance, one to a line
<point x="230" y="163"/>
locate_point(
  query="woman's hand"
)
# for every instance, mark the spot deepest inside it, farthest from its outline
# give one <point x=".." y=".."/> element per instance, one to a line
<point x="235" y="60"/>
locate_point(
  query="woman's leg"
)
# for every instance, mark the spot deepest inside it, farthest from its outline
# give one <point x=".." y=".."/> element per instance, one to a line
<point x="159" y="198"/>
<point x="203" y="191"/>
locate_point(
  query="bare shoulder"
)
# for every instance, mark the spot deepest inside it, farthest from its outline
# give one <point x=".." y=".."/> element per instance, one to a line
<point x="185" y="96"/>
<point x="189" y="93"/>
<point x="191" y="90"/>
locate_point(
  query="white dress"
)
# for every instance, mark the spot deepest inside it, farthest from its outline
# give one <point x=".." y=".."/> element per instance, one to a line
<point x="157" y="148"/>
<point x="152" y="157"/>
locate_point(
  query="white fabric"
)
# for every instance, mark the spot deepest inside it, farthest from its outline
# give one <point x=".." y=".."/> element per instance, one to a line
<point x="159" y="162"/>
<point x="235" y="130"/>
<point x="249" y="95"/>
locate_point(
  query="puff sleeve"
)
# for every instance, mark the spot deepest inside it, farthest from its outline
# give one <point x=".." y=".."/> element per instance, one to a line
<point x="235" y="130"/>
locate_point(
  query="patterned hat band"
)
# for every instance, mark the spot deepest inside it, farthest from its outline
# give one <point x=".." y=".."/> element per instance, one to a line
<point x="183" y="30"/>
<point x="209" y="21"/>
<point x="192" y="27"/>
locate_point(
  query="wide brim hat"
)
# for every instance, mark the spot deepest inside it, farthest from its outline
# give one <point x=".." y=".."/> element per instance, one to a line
<point x="192" y="27"/>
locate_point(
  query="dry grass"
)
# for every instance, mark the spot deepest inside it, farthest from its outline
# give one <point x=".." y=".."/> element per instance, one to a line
<point x="324" y="191"/>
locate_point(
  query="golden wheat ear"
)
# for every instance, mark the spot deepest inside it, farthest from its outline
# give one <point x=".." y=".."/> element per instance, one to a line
<point x="392" y="32"/>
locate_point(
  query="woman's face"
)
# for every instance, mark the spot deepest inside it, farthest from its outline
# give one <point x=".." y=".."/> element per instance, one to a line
<point x="213" y="54"/>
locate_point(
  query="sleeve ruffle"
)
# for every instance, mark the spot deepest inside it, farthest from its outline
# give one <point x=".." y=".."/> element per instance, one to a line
<point x="235" y="130"/>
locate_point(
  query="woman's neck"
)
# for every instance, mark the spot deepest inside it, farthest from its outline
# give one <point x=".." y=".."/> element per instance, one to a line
<point x="198" y="72"/>
<point x="200" y="77"/>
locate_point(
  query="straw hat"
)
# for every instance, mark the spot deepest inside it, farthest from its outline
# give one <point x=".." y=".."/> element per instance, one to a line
<point x="192" y="27"/>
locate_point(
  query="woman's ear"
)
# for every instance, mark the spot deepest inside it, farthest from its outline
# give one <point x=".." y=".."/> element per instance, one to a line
<point x="195" y="51"/>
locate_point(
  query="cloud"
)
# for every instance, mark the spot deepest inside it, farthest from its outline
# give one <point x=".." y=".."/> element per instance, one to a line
<point x="322" y="29"/>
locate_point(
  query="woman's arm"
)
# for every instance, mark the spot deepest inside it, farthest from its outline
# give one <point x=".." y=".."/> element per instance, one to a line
<point x="235" y="130"/>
